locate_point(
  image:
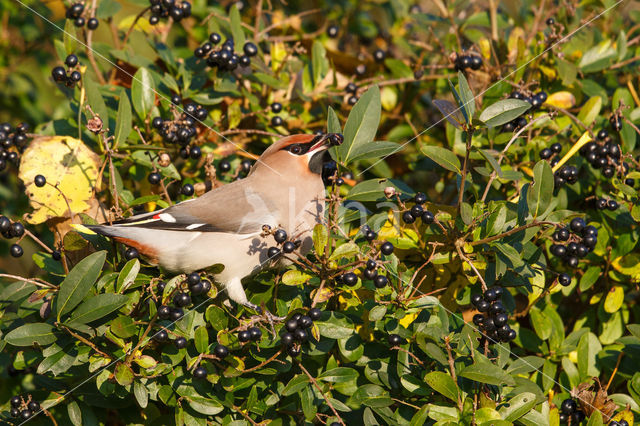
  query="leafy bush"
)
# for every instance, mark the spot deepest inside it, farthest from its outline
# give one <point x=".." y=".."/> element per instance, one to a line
<point x="478" y="262"/>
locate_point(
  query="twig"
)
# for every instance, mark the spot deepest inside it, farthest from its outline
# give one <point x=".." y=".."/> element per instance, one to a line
<point x="263" y="363"/>
<point x="615" y="370"/>
<point x="465" y="166"/>
<point x="409" y="353"/>
<point x="315" y="383"/>
<point x="85" y="341"/>
<point x="37" y="240"/>
<point x="34" y="281"/>
<point x="92" y="59"/>
<point x="286" y="21"/>
<point x="510" y="232"/>
<point x="452" y="368"/>
<point x="466" y="259"/>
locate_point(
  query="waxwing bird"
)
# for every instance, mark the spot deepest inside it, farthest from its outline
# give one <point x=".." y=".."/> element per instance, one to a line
<point x="284" y="189"/>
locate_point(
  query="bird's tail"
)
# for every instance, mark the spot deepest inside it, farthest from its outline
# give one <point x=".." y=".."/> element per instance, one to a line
<point x="130" y="236"/>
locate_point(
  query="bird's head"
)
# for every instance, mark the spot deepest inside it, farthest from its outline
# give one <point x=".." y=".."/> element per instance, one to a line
<point x="298" y="152"/>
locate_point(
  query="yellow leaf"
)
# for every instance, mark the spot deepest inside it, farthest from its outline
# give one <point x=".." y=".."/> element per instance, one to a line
<point x="145" y="361"/>
<point x="141" y="25"/>
<point x="575" y="148"/>
<point x="628" y="264"/>
<point x="595" y="299"/>
<point x="388" y="98"/>
<point x="562" y="99"/>
<point x="278" y="53"/>
<point x="408" y="319"/>
<point x="573" y="357"/>
<point x="614" y="299"/>
<point x="485" y="48"/>
<point x="70" y="169"/>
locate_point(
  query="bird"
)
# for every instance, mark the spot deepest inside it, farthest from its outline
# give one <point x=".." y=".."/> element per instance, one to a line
<point x="283" y="190"/>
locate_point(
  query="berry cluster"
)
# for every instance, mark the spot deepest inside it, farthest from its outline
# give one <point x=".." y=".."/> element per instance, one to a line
<point x="371" y="273"/>
<point x="574" y="243"/>
<point x="466" y="61"/>
<point x="551" y="153"/>
<point x="569" y="411"/>
<point x="602" y="154"/>
<point x="418" y="212"/>
<point x="12" y="141"/>
<point x="165" y="8"/>
<point x="603" y="203"/>
<point x="492" y="321"/>
<point x="78" y="13"/>
<point x="280" y="235"/>
<point x="71" y="76"/>
<point x="24" y="409"/>
<point x="616" y="122"/>
<point x="368" y="233"/>
<point x="220" y="351"/>
<point x="197" y="286"/>
<point x="224" y="58"/>
<point x="276" y="120"/>
<point x="536" y="100"/>
<point x="183" y="128"/>
<point x="619" y="423"/>
<point x="250" y="334"/>
<point x="11" y="230"/>
<point x="566" y="174"/>
<point x="296" y="330"/>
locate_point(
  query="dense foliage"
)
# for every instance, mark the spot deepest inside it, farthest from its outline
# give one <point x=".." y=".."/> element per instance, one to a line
<point x="479" y="261"/>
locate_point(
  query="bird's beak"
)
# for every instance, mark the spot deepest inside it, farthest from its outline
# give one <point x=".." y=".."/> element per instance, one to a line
<point x="326" y="141"/>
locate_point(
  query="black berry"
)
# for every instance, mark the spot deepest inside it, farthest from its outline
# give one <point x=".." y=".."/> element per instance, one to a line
<point x="221" y="351"/>
<point x="395" y="340"/>
<point x="187" y="190"/>
<point x="244" y="336"/>
<point x="386" y="248"/>
<point x="161" y="336"/>
<point x="71" y="61"/>
<point x="200" y="373"/>
<point x="16" y="250"/>
<point x="180" y="343"/>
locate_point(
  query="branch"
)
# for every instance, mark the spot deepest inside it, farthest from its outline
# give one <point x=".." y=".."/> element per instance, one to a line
<point x="315" y="383"/>
<point x="34" y="281"/>
<point x="85" y="341"/>
<point x="510" y="232"/>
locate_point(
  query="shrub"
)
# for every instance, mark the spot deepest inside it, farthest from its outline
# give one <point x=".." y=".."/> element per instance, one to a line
<point x="477" y="264"/>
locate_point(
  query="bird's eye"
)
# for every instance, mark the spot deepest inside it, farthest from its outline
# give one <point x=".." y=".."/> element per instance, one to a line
<point x="295" y="149"/>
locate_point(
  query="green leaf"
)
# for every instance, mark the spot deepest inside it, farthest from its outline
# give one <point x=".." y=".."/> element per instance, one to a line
<point x="466" y="96"/>
<point x="373" y="189"/>
<point x="503" y="111"/>
<point x="595" y="419"/>
<point x="295" y="385"/>
<point x="443" y="157"/>
<point x="487" y="373"/>
<point x="518" y="406"/>
<point x="124" y="327"/>
<point x="70" y="37"/>
<point x="337" y="326"/>
<point x="123" y="120"/>
<point x="398" y="68"/>
<point x="295" y="277"/>
<point x="492" y="162"/>
<point x="201" y="339"/>
<point x="236" y="27"/>
<point x="94" y="98"/>
<point x="123" y="374"/>
<point x="590" y="277"/>
<point x="141" y="394"/>
<point x="97" y="307"/>
<point x="145" y="158"/>
<point x="79" y="281"/>
<point x="127" y="275"/>
<point x="207" y="406"/>
<point x="143" y="94"/>
<point x="28" y="334"/>
<point x="320" y="238"/>
<point x="588" y="348"/>
<point x="56" y="363"/>
<point x="319" y="62"/>
<point x="339" y="375"/>
<point x="333" y="122"/>
<point x="348" y="249"/>
<point x="541" y="191"/>
<point x="590" y="110"/>
<point x="443" y="383"/>
<point x="598" y="57"/>
<point x="377" y="149"/>
<point x="362" y="124"/>
<point x="75" y="414"/>
<point x="450" y="112"/>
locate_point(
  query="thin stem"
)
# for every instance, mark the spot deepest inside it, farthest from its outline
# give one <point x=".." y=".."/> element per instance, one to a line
<point x="465" y="166"/>
<point x="34" y="281"/>
<point x="315" y="383"/>
<point x="85" y="341"/>
<point x="510" y="232"/>
<point x="466" y="259"/>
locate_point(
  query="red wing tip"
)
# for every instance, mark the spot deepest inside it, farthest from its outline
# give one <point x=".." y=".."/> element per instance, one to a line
<point x="145" y="250"/>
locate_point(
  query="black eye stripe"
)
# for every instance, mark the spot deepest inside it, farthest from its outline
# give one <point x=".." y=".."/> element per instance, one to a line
<point x="299" y="149"/>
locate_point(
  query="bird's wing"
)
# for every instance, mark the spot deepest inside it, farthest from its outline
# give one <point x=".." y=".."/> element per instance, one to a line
<point x="234" y="207"/>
